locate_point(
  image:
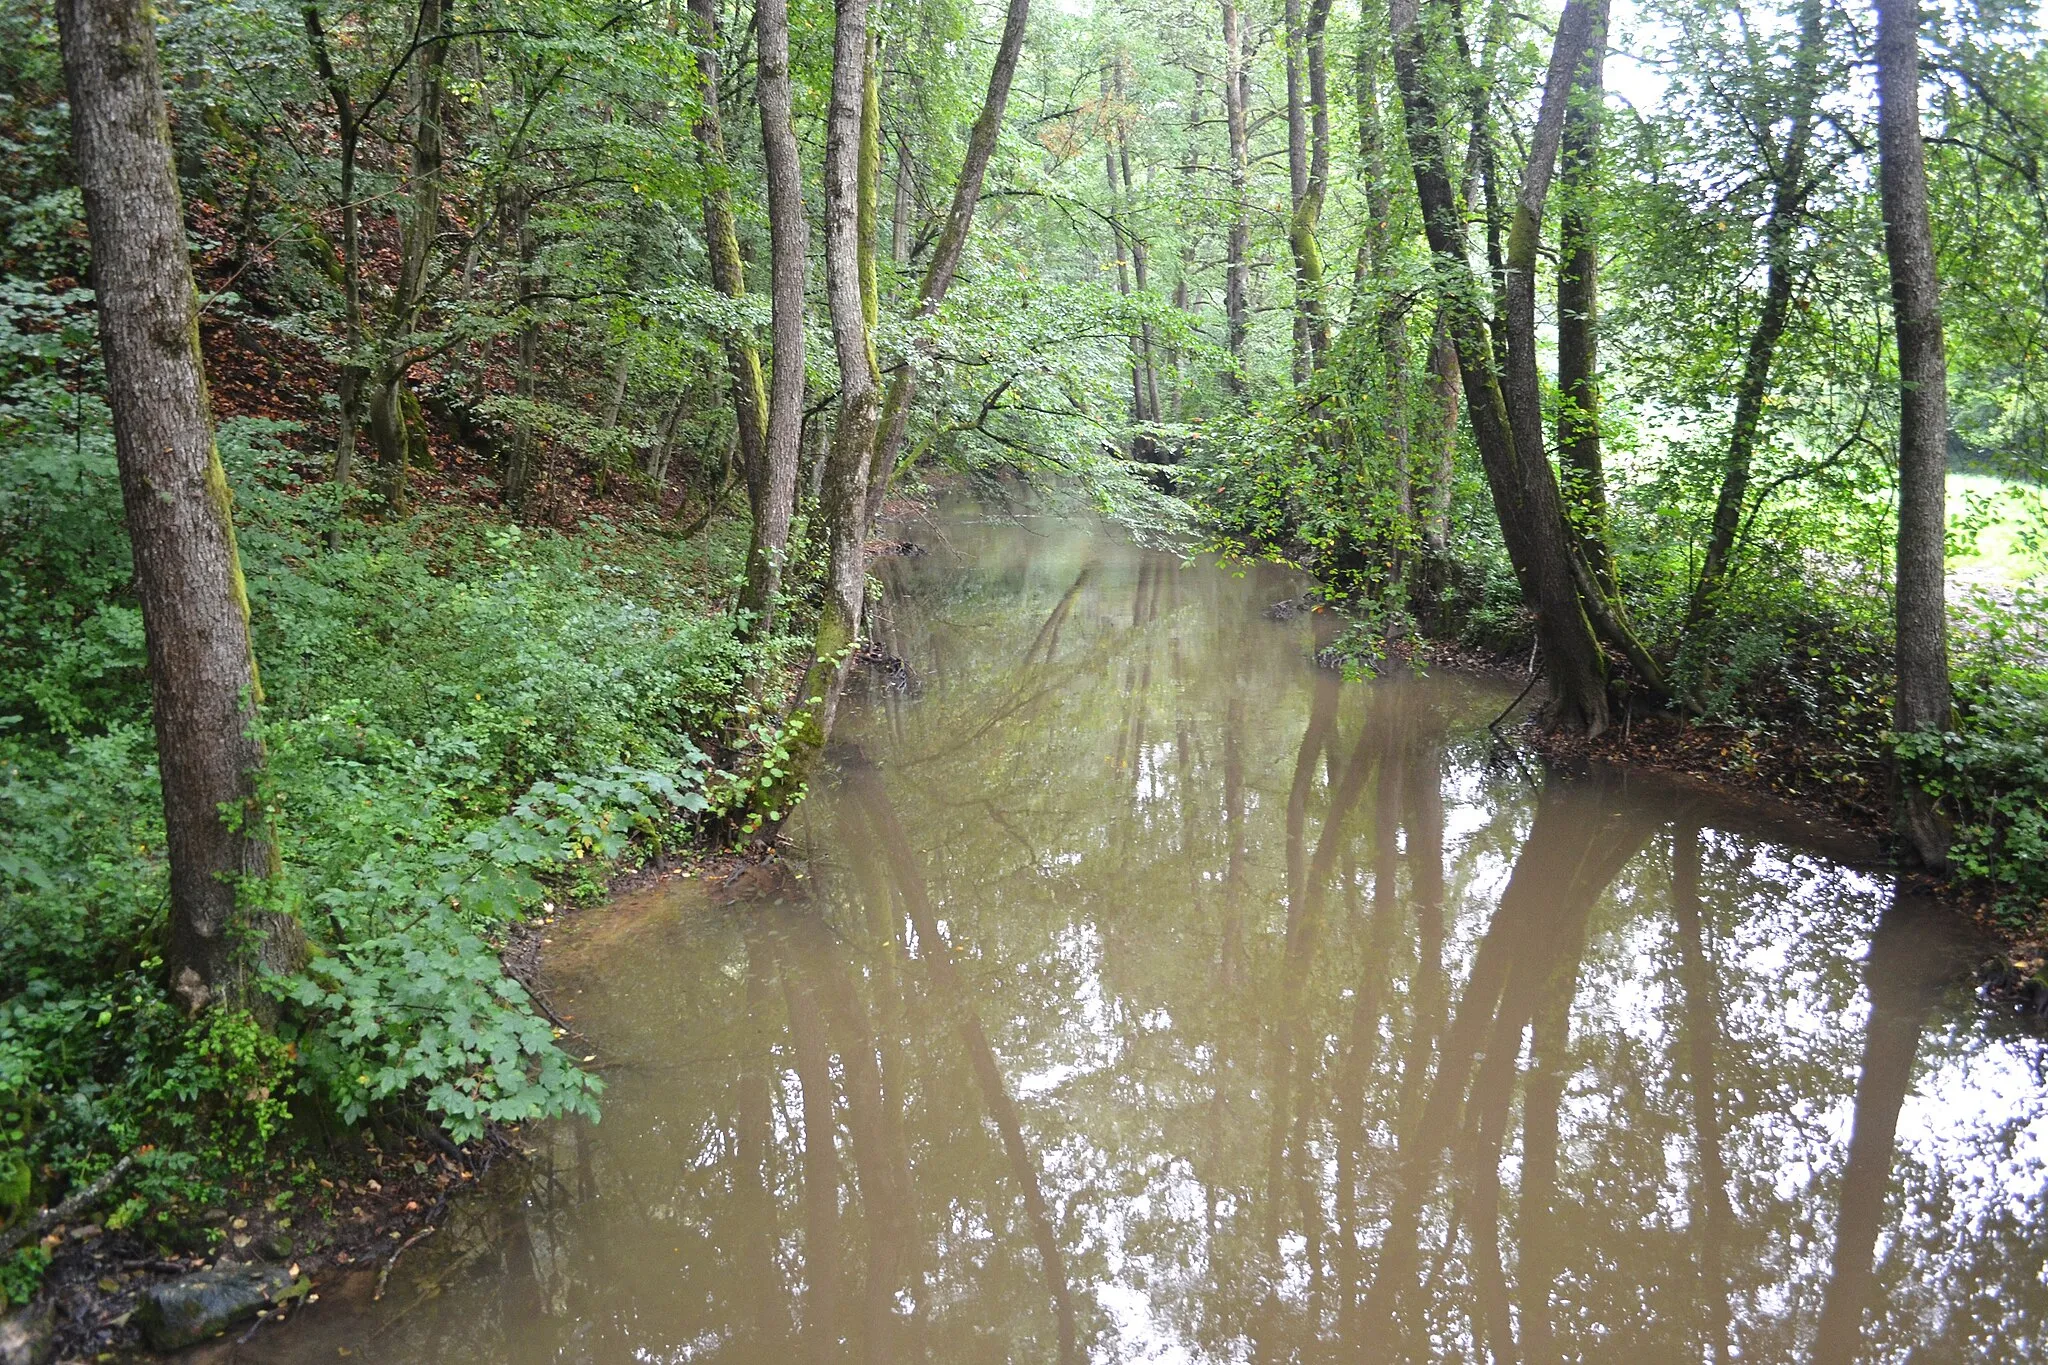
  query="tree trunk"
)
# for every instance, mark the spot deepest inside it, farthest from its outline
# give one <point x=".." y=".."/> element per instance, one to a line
<point x="1308" y="163"/>
<point x="742" y="358"/>
<point x="938" y="276"/>
<point x="389" y="428"/>
<point x="349" y="389"/>
<point x="789" y="244"/>
<point x="1781" y="229"/>
<point x="1389" y="320"/>
<point x="188" y="574"/>
<point x="850" y="157"/>
<point x="1236" y="95"/>
<point x="1578" y="384"/>
<point x="1524" y="490"/>
<point x="521" y="473"/>
<point x="1922" y="608"/>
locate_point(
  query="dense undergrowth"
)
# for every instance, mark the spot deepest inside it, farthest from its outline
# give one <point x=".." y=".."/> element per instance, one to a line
<point x="466" y="722"/>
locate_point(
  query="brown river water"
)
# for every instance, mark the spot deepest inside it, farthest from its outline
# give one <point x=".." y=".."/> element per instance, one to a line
<point x="1163" y="997"/>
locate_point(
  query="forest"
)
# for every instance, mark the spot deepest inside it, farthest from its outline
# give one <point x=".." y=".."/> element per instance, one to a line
<point x="446" y="450"/>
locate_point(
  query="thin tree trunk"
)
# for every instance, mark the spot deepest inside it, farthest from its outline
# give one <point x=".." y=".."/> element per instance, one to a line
<point x="389" y="424"/>
<point x="1781" y="228"/>
<point x="521" y="474"/>
<point x="188" y="573"/>
<point x="1923" y="700"/>
<point x="1578" y="384"/>
<point x="1389" y="319"/>
<point x="742" y="358"/>
<point x="1236" y="95"/>
<point x="348" y="391"/>
<point x="938" y="276"/>
<point x="1297" y="172"/>
<point x="1524" y="491"/>
<point x="1308" y="131"/>
<point x="789" y="242"/>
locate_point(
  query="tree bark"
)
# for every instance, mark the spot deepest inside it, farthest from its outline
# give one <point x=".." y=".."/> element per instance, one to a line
<point x="789" y="236"/>
<point x="1578" y="384"/>
<point x="742" y="358"/>
<point x="938" y="277"/>
<point x="1923" y="697"/>
<point x="1236" y="278"/>
<point x="1308" y="132"/>
<point x="188" y="573"/>
<point x="348" y="131"/>
<point x="1524" y="490"/>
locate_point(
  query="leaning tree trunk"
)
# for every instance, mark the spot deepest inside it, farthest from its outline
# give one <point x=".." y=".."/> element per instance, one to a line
<point x="188" y="574"/>
<point x="1524" y="491"/>
<point x="945" y="263"/>
<point x="789" y="236"/>
<point x="1781" y="230"/>
<point x="1922" y="706"/>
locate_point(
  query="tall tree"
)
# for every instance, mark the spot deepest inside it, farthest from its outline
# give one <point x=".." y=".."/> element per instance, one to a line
<point x="1578" y="302"/>
<point x="742" y="359"/>
<point x="1507" y="428"/>
<point x="1923" y="697"/>
<point x="789" y="236"/>
<point x="1237" y="84"/>
<point x="1308" y="134"/>
<point x="188" y="572"/>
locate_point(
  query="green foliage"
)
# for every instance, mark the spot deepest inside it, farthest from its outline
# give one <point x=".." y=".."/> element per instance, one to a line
<point x="464" y="720"/>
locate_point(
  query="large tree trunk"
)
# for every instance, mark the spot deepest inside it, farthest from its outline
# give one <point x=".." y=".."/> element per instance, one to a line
<point x="742" y="359"/>
<point x="1922" y="608"/>
<point x="850" y="164"/>
<point x="1789" y="192"/>
<point x="1578" y="383"/>
<point x="1524" y="491"/>
<point x="1236" y="95"/>
<point x="188" y="574"/>
<point x="789" y="236"/>
<point x="938" y="276"/>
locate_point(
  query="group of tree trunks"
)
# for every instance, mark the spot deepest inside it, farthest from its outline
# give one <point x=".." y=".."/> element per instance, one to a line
<point x="189" y="580"/>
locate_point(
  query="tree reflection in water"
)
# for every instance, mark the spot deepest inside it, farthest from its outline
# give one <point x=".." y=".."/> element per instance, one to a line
<point x="1164" y="997"/>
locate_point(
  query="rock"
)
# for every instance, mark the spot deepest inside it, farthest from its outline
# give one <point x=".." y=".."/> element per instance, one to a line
<point x="29" y="1337"/>
<point x="194" y="1307"/>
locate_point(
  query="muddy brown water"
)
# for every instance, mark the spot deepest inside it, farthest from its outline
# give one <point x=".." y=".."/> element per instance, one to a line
<point x="1165" y="998"/>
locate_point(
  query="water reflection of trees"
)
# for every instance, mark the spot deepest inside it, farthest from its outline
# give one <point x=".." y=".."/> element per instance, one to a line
<point x="1165" y="990"/>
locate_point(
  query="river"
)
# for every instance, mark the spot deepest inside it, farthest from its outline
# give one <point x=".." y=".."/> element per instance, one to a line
<point x="1159" y="996"/>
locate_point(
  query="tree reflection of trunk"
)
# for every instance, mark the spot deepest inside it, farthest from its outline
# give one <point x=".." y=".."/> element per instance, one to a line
<point x="1541" y="983"/>
<point x="819" y="959"/>
<point x="1531" y="951"/>
<point x="1304" y="927"/>
<point x="753" y="1180"/>
<point x="1710" y="1212"/>
<point x="1912" y="958"/>
<point x="813" y="1057"/>
<point x="1362" y="1050"/>
<point x="1230" y="946"/>
<point x="1048" y="637"/>
<point x="864" y="785"/>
